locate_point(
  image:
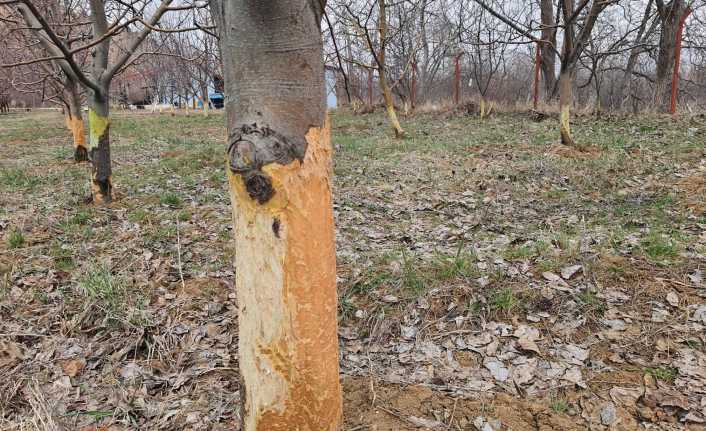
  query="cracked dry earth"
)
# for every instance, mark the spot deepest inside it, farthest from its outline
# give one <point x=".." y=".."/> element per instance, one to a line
<point x="489" y="278"/>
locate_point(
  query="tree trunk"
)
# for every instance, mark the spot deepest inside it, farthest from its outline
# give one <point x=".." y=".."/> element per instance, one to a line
<point x="74" y="120"/>
<point x="204" y="92"/>
<point x="484" y="108"/>
<point x="386" y="93"/>
<point x="99" y="152"/>
<point x="677" y="61"/>
<point x="548" y="60"/>
<point x="669" y="19"/>
<point x="565" y="102"/>
<point x="279" y="177"/>
<point x="390" y="105"/>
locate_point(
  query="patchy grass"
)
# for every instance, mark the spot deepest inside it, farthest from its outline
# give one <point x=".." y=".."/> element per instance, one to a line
<point x="99" y="284"/>
<point x="560" y="406"/>
<point x="170" y="199"/>
<point x="15" y="239"/>
<point x="665" y="373"/>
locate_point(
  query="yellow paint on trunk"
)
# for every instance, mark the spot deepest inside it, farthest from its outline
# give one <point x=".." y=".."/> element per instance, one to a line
<point x="97" y="127"/>
<point x="286" y="280"/>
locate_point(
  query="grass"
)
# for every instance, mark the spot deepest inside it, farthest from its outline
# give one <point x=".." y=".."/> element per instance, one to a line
<point x="659" y="247"/>
<point x="503" y="300"/>
<point x="559" y="406"/>
<point x="139" y="215"/>
<point x="170" y="199"/>
<point x="63" y="257"/>
<point x="664" y="373"/>
<point x="15" y="239"/>
<point x="17" y="178"/>
<point x="592" y="303"/>
<point x="428" y="219"/>
<point x="100" y="285"/>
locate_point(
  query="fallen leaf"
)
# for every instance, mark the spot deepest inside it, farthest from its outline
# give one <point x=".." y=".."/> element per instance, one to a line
<point x="427" y="423"/>
<point x="673" y="299"/>
<point x="73" y="367"/>
<point x="568" y="272"/>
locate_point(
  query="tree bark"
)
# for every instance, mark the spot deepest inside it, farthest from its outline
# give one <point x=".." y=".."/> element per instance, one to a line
<point x="99" y="152"/>
<point x="677" y="61"/>
<point x="279" y="169"/>
<point x="205" y="100"/>
<point x="565" y="102"/>
<point x="74" y="119"/>
<point x="548" y="60"/>
<point x="669" y="16"/>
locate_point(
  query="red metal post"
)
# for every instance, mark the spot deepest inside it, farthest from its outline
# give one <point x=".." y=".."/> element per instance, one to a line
<point x="370" y="86"/>
<point x="537" y="64"/>
<point x="413" y="95"/>
<point x="677" y="61"/>
<point x="457" y="80"/>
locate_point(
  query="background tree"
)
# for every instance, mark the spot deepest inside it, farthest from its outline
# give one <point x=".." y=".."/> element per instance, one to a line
<point x="107" y="19"/>
<point x="53" y="80"/>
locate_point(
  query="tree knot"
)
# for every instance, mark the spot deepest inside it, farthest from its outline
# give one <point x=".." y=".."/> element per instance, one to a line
<point x="251" y="147"/>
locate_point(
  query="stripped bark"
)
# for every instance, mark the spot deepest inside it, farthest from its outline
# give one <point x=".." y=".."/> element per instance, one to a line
<point x="74" y="119"/>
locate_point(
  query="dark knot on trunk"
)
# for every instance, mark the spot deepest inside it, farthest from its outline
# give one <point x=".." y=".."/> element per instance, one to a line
<point x="251" y="147"/>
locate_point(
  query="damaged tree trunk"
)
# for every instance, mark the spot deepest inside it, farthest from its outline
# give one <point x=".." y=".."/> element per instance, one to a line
<point x="677" y="62"/>
<point x="571" y="51"/>
<point x="279" y="173"/>
<point x="74" y="119"/>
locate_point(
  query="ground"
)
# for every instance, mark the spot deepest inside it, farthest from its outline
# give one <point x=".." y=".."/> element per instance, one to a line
<point x="489" y="278"/>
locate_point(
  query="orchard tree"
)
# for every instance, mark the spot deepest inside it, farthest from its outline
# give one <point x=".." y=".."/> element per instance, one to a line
<point x="53" y="81"/>
<point x="279" y="173"/>
<point x="373" y="30"/>
<point x="107" y="19"/>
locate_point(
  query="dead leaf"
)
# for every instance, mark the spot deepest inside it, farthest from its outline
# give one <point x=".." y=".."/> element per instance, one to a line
<point x="673" y="299"/>
<point x="73" y="367"/>
<point x="625" y="396"/>
<point x="569" y="271"/>
<point x="426" y="423"/>
<point x="10" y="353"/>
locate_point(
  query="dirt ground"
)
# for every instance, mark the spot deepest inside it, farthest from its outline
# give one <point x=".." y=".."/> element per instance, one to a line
<point x="489" y="278"/>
